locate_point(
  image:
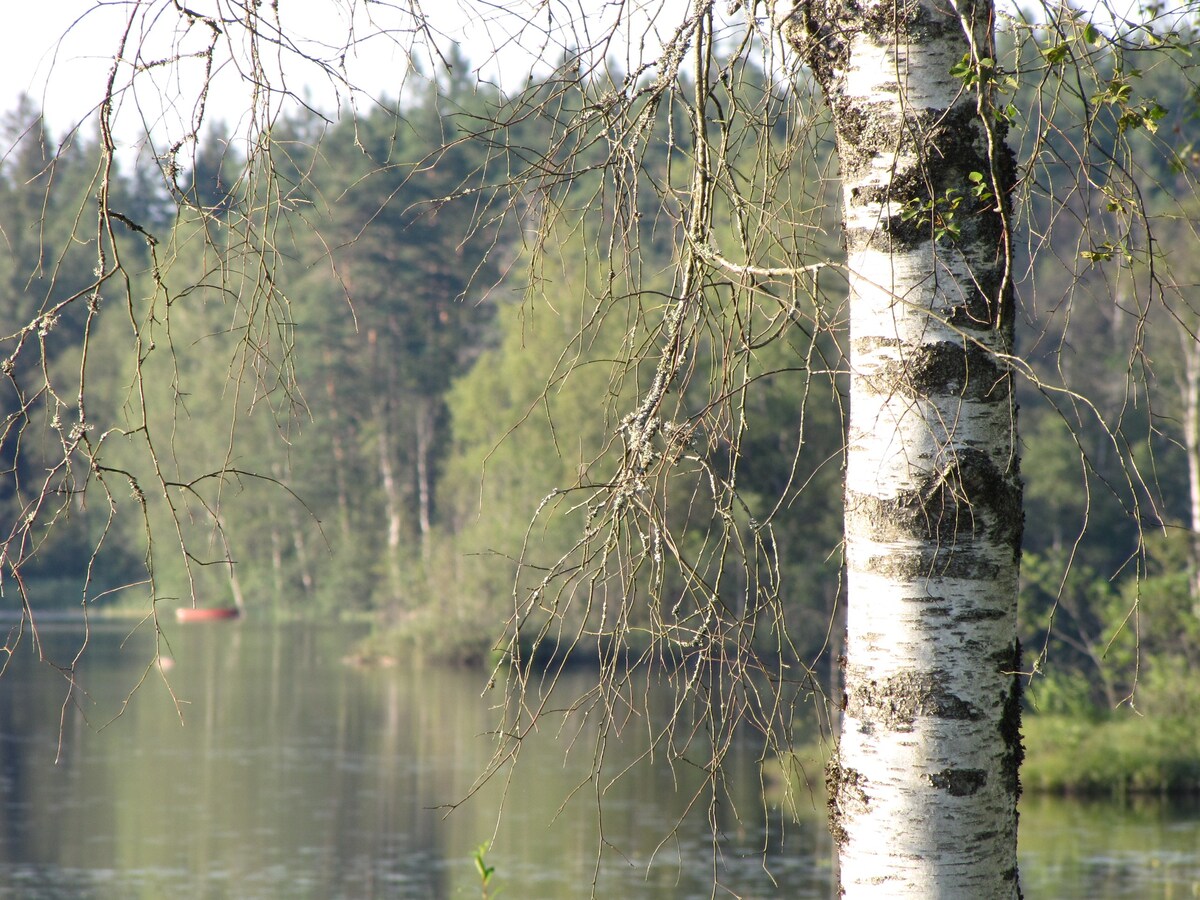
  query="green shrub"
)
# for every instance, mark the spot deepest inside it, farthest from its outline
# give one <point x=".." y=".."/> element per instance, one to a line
<point x="1119" y="754"/>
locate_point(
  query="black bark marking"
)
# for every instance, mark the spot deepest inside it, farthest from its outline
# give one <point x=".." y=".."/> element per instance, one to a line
<point x="816" y="33"/>
<point x="982" y="615"/>
<point x="1010" y="722"/>
<point x="939" y="369"/>
<point x="952" y="508"/>
<point x="1014" y="748"/>
<point x="945" y="562"/>
<point x="959" y="782"/>
<point x="844" y="786"/>
<point x="897" y="702"/>
<point x="935" y="607"/>
<point x="1013" y="875"/>
<point x="973" y="315"/>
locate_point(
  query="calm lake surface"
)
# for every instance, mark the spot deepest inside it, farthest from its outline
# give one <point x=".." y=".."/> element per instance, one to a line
<point x="293" y="775"/>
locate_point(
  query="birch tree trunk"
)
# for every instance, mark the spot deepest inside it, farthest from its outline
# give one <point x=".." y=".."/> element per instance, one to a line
<point x="1189" y="389"/>
<point x="425" y="425"/>
<point x="299" y="544"/>
<point x="340" y="461"/>
<point x="923" y="787"/>
<point x="393" y="502"/>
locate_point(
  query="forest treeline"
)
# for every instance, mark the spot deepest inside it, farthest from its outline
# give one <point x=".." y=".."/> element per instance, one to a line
<point x="457" y="351"/>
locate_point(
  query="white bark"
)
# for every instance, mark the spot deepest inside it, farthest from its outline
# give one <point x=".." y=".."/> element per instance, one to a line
<point x="340" y="461"/>
<point x="1189" y="386"/>
<point x="924" y="785"/>
<point x="299" y="543"/>
<point x="393" y="502"/>
<point x="424" y="424"/>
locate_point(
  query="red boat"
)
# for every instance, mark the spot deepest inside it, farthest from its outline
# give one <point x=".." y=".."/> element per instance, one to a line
<point x="206" y="613"/>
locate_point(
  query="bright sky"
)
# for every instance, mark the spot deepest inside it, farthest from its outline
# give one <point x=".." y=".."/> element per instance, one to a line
<point x="27" y="48"/>
<point x="60" y="51"/>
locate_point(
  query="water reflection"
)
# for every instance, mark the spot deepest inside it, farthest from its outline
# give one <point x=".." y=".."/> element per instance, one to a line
<point x="296" y="776"/>
<point x="1146" y="847"/>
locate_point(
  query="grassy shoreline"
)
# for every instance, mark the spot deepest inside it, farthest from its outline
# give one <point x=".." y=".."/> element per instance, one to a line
<point x="1116" y="755"/>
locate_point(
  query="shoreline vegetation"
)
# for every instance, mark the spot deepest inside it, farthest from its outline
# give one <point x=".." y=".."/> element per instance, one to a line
<point x="1115" y="755"/>
<point x="405" y="495"/>
<point x="1087" y="751"/>
<point x="1084" y="752"/>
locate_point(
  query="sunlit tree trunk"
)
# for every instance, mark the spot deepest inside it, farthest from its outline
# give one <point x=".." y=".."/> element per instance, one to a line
<point x="276" y="558"/>
<point x="384" y="366"/>
<point x="235" y="583"/>
<point x="301" y="547"/>
<point x="393" y="501"/>
<point x="299" y="544"/>
<point x="340" y="461"/>
<point x="425" y="424"/>
<point x="924" y="782"/>
<point x="1189" y="386"/>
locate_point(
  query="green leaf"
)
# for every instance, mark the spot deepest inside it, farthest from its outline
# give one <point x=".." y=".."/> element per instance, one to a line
<point x="485" y="871"/>
<point x="1057" y="54"/>
<point x="963" y="68"/>
<point x="1102" y="253"/>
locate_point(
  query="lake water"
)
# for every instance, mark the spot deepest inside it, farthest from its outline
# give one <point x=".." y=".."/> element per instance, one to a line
<point x="294" y="775"/>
